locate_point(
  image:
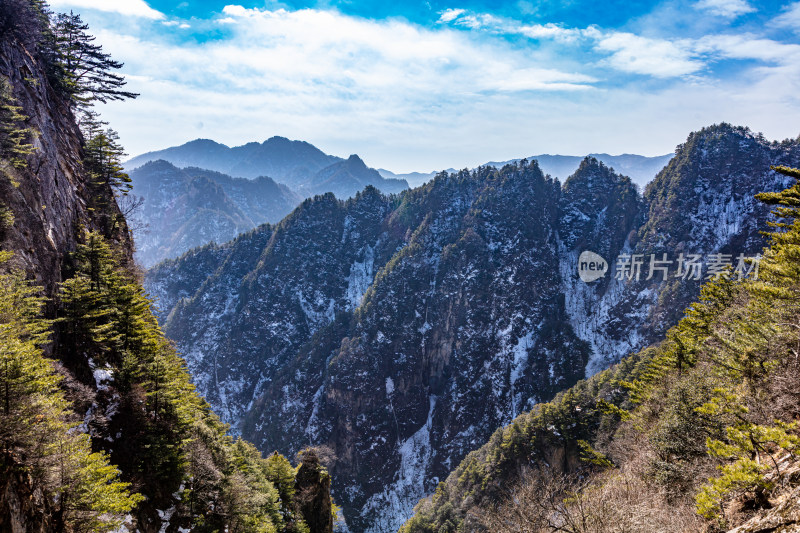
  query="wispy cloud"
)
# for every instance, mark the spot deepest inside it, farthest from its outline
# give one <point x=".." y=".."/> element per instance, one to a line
<point x="725" y="8"/>
<point x="135" y="8"/>
<point x="450" y="14"/>
<point x="654" y="57"/>
<point x="790" y="18"/>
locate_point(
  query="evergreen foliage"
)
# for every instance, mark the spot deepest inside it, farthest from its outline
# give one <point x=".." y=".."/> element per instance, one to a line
<point x="169" y="437"/>
<point x="144" y="429"/>
<point x="86" y="72"/>
<point x="14" y="138"/>
<point x="103" y="154"/>
<point x="36" y="427"/>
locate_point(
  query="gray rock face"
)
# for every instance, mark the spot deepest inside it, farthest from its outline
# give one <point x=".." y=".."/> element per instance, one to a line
<point x="401" y="331"/>
<point x="48" y="199"/>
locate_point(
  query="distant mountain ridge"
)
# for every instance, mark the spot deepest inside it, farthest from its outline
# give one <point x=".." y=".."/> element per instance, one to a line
<point x="185" y="208"/>
<point x="641" y="169"/>
<point x="278" y="157"/>
<point x="301" y="166"/>
<point x="191" y="197"/>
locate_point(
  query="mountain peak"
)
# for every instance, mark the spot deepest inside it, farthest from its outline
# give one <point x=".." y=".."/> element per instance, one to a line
<point x="159" y="165"/>
<point x="278" y="139"/>
<point x="202" y="143"/>
<point x="355" y="160"/>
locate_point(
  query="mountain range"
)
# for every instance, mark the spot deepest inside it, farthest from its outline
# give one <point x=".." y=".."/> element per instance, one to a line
<point x="401" y="331"/>
<point x="513" y="350"/>
<point x="640" y="169"/>
<point x="189" y="197"/>
<point x="186" y="208"/>
<point x="181" y="208"/>
<point x="302" y="167"/>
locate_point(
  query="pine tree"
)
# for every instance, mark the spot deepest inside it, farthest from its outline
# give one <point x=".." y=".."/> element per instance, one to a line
<point x="87" y="72"/>
<point x="14" y="138"/>
<point x="748" y="347"/>
<point x="103" y="154"/>
<point x="35" y="429"/>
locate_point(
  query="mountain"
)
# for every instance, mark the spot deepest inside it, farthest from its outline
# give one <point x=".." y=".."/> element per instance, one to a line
<point x="640" y="169"/>
<point x="300" y="166"/>
<point x="694" y="433"/>
<point x="400" y="331"/>
<point x="286" y="161"/>
<point x="346" y="178"/>
<point x="414" y="179"/>
<point x="183" y="209"/>
<point x="100" y="426"/>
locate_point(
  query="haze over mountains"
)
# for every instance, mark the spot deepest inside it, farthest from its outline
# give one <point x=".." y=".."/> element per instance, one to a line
<point x="185" y="208"/>
<point x="190" y="197"/>
<point x="299" y="165"/>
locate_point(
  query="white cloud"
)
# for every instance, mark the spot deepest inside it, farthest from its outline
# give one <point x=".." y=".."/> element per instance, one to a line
<point x="407" y="97"/>
<point x="749" y="47"/>
<point x="135" y="8"/>
<point x="626" y="52"/>
<point x="450" y="15"/>
<point x="725" y="8"/>
<point x="654" y="57"/>
<point x="790" y="18"/>
<point x="549" y="31"/>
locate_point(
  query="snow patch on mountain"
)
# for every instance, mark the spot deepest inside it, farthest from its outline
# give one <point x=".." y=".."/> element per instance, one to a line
<point x="361" y="276"/>
<point x="396" y="503"/>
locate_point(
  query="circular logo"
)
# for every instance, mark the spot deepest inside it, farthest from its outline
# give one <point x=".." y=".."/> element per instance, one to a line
<point x="591" y="266"/>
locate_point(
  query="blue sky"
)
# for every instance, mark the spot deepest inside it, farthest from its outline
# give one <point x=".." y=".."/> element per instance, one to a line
<point x="424" y="85"/>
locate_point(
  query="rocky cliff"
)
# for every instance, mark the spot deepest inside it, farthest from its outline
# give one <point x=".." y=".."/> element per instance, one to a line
<point x="101" y="428"/>
<point x="49" y="198"/>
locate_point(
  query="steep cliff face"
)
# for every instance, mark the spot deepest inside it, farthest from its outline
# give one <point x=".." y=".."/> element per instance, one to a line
<point x="701" y="204"/>
<point x="402" y="331"/>
<point x="650" y="444"/>
<point x="48" y="198"/>
<point x="272" y="290"/>
<point x="398" y="331"/>
<point x="23" y="508"/>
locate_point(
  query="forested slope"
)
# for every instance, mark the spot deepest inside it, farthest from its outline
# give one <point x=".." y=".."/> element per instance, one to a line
<point x="100" y="425"/>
